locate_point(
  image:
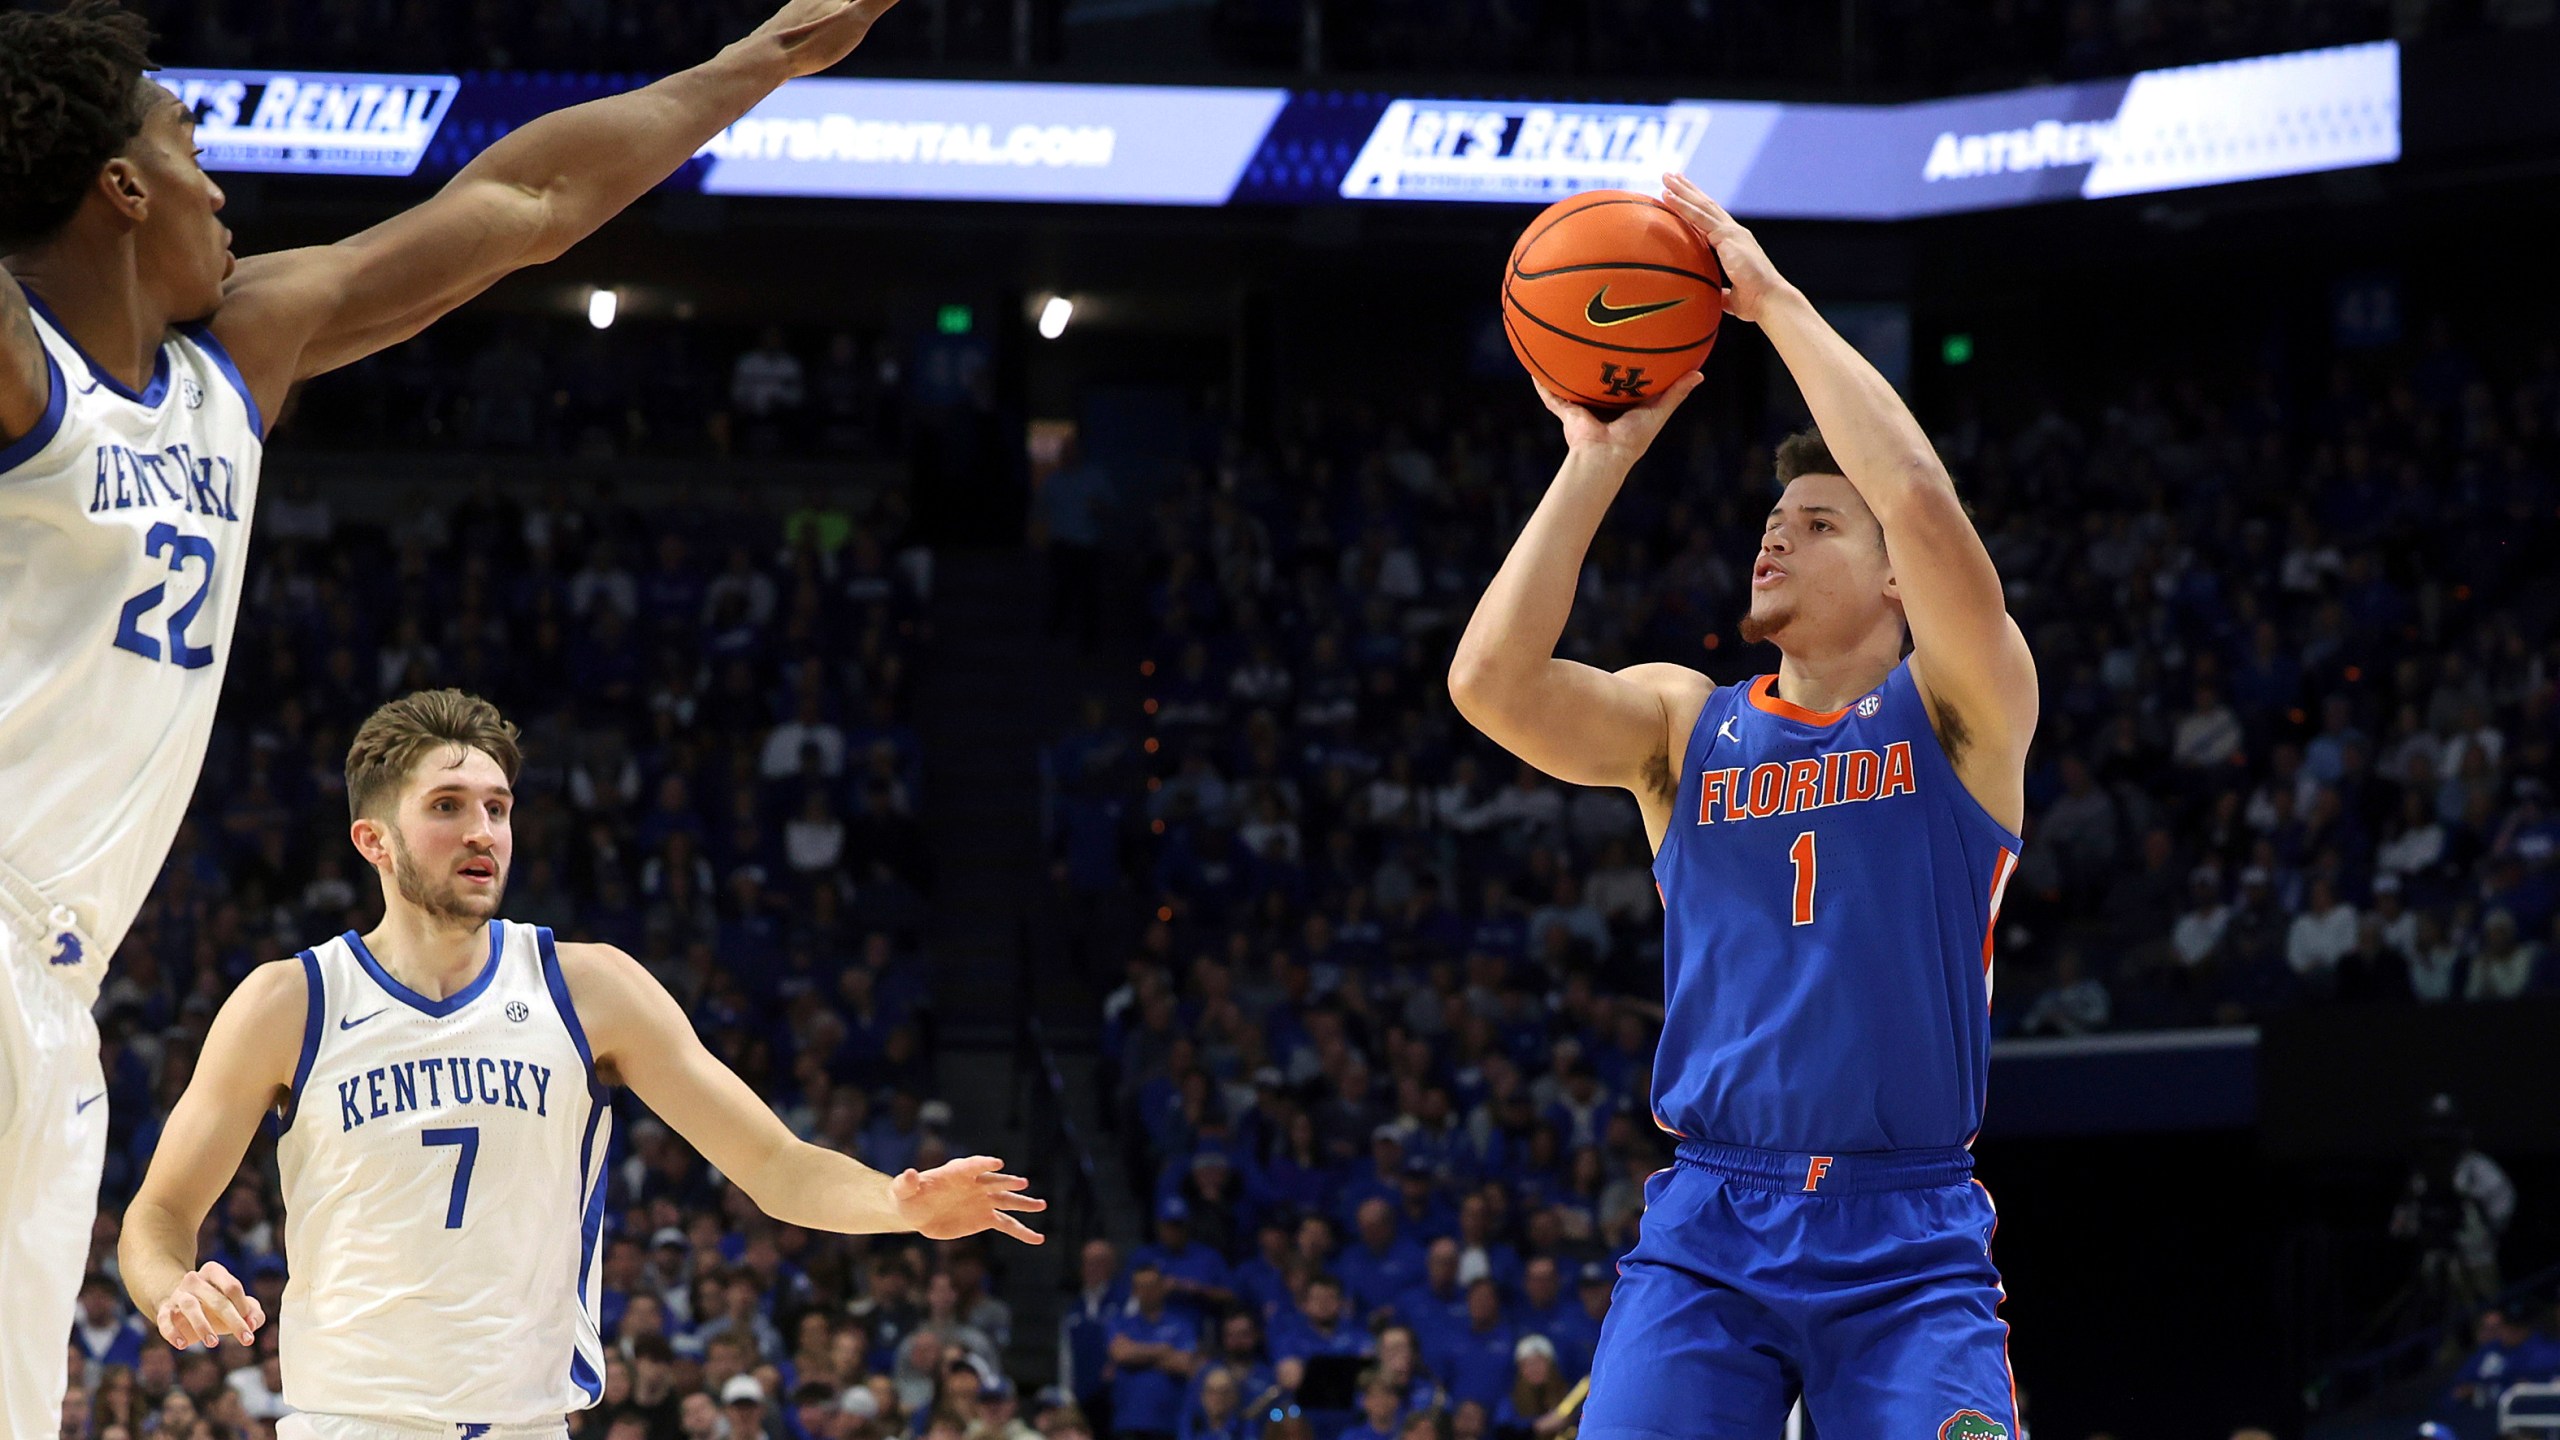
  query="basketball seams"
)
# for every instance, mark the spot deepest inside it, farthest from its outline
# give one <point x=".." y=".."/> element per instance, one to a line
<point x="1569" y="391"/>
<point x="1519" y="274"/>
<point x="1512" y="303"/>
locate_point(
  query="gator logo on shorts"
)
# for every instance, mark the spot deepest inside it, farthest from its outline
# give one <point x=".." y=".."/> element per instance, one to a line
<point x="1972" y="1425"/>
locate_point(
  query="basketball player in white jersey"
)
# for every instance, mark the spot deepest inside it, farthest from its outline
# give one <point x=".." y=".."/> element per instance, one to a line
<point x="440" y="1086"/>
<point x="139" y="366"/>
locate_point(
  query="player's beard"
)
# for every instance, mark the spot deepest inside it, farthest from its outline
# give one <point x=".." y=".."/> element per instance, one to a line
<point x="443" y="905"/>
<point x="1759" y="625"/>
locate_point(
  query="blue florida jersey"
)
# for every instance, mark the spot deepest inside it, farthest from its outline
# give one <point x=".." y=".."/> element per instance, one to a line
<point x="443" y="1192"/>
<point x="1829" y="889"/>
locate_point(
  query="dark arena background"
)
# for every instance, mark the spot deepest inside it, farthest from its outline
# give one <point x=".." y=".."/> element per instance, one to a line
<point x="978" y="559"/>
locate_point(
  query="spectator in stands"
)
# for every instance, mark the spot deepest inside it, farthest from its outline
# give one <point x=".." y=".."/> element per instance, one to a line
<point x="1526" y="1409"/>
<point x="1381" y="1410"/>
<point x="1153" y="1351"/>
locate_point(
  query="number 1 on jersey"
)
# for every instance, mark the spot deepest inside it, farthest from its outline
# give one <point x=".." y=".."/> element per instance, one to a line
<point x="1802" y="854"/>
<point x="467" y="1138"/>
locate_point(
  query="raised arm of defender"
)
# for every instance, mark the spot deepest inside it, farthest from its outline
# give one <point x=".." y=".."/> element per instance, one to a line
<point x="643" y="1039"/>
<point x="1580" y="724"/>
<point x="1967" y="654"/>
<point x="299" y="313"/>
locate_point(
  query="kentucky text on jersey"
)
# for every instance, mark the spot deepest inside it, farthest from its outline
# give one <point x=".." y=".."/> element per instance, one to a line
<point x="130" y="479"/>
<point x="444" y="1082"/>
<point x="1840" y="778"/>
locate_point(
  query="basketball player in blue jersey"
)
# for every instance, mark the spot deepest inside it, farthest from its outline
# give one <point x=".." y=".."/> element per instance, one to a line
<point x="1831" y="843"/>
<point x="139" y="366"/>
<point x="441" y="1087"/>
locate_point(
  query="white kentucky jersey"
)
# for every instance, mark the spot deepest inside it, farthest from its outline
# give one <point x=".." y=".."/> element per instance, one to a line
<point x="443" y="1166"/>
<point x="124" y="533"/>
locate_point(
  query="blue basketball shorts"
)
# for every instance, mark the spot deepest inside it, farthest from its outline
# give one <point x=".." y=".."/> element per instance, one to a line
<point x="1862" y="1283"/>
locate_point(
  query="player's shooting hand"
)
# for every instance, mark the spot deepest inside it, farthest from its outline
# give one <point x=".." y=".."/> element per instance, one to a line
<point x="208" y="1305"/>
<point x="1623" y="438"/>
<point x="963" y="1197"/>
<point x="814" y="34"/>
<point x="1751" y="282"/>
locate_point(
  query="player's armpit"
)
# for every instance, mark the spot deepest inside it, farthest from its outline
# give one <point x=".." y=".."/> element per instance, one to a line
<point x="25" y="385"/>
<point x="246" y="1067"/>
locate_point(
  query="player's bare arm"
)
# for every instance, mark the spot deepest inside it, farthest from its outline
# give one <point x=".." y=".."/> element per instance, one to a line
<point x="643" y="1039"/>
<point x="526" y="200"/>
<point x="1576" y="722"/>
<point x="245" y="1070"/>
<point x="24" y="384"/>
<point x="1968" y="656"/>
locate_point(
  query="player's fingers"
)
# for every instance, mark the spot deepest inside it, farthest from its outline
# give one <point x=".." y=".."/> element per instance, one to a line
<point x="172" y="1326"/>
<point x="971" y="1166"/>
<point x="1004" y="1182"/>
<point x="219" y="1313"/>
<point x="1015" y="1228"/>
<point x="1025" y="1203"/>
<point x="254" y="1312"/>
<point x="191" y="1322"/>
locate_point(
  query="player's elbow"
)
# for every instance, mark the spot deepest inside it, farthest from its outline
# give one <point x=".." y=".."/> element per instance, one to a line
<point x="1479" y="684"/>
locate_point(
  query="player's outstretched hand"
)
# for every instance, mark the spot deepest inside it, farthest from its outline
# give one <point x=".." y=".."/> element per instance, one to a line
<point x="1625" y="437"/>
<point x="208" y="1305"/>
<point x="814" y="34"/>
<point x="1750" y="280"/>
<point x="963" y="1197"/>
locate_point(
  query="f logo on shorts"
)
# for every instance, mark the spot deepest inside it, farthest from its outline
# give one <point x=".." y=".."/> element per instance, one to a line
<point x="1813" y="1173"/>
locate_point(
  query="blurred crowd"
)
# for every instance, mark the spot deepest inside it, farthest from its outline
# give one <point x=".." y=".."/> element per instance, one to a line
<point x="721" y="778"/>
<point x="1387" y="998"/>
<point x="663" y="388"/>
<point x="1908" y="44"/>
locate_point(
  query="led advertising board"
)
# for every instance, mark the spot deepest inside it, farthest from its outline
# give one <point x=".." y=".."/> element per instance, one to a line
<point x="1172" y="145"/>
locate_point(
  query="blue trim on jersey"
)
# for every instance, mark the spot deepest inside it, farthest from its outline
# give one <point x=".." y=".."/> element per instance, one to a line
<point x="152" y="394"/>
<point x="57" y="400"/>
<point x="591" y="1214"/>
<point x="315" y="1016"/>
<point x="416" y="1001"/>
<point x="221" y="358"/>
<point x="558" y="984"/>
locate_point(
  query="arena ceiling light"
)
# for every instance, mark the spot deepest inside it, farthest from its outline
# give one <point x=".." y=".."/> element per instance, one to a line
<point x="603" y="304"/>
<point x="1054" y="316"/>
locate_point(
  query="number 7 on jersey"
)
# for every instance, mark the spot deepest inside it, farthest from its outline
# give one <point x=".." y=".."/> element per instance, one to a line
<point x="467" y="1139"/>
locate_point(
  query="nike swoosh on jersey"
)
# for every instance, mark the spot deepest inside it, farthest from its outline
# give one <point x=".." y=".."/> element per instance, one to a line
<point x="1600" y="312"/>
<point x="351" y="1024"/>
<point x="83" y="1106"/>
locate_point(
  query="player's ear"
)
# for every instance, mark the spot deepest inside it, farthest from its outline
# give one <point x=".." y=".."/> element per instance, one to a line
<point x="120" y="180"/>
<point x="366" y="835"/>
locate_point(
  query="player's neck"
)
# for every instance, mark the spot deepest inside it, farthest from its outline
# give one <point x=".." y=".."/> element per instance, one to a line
<point x="1834" y="680"/>
<point x="433" y="957"/>
<point x="95" y="291"/>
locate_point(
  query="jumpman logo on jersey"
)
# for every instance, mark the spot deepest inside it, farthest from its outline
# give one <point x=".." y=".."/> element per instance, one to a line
<point x="72" y="951"/>
<point x="1726" y="731"/>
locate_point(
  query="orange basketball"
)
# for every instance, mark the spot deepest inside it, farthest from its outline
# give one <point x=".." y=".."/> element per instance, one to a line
<point x="1609" y="297"/>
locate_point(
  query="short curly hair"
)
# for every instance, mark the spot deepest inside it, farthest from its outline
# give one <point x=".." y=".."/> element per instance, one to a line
<point x="70" y="97"/>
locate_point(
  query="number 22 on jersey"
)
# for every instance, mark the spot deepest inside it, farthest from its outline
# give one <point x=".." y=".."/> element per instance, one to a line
<point x="164" y="539"/>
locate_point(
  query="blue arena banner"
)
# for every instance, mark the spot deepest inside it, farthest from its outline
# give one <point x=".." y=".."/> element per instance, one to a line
<point x="298" y="123"/>
<point x="2160" y="130"/>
